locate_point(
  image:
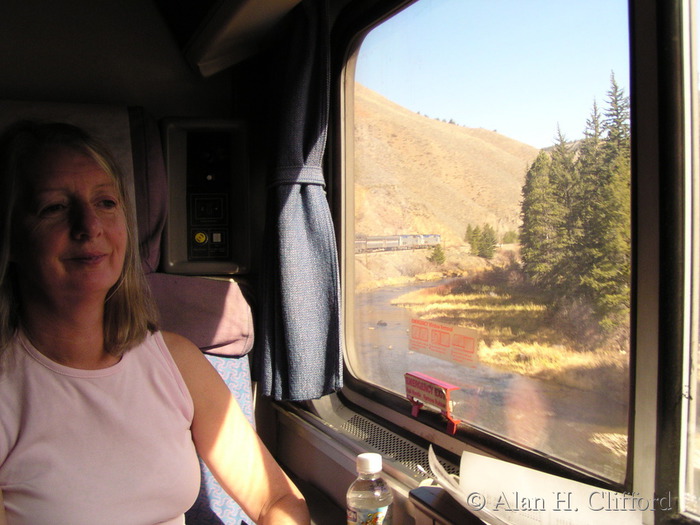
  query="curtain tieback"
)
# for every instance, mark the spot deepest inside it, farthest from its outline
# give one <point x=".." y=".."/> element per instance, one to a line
<point x="298" y="175"/>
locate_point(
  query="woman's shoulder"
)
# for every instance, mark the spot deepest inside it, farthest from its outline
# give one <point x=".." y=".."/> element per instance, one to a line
<point x="187" y="356"/>
<point x="180" y="347"/>
<point x="199" y="375"/>
<point x="175" y="340"/>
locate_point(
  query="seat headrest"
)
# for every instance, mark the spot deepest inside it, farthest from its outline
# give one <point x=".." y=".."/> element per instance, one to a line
<point x="108" y="124"/>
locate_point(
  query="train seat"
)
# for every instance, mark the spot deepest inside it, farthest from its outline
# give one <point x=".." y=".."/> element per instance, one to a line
<point x="214" y="314"/>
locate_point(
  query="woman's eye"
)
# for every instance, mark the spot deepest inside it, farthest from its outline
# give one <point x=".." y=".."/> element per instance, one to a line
<point x="109" y="203"/>
<point x="51" y="209"/>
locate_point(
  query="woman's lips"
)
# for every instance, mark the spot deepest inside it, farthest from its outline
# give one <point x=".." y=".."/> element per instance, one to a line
<point x="88" y="258"/>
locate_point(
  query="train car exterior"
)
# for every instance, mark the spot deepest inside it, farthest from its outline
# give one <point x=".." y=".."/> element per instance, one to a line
<point x="381" y="243"/>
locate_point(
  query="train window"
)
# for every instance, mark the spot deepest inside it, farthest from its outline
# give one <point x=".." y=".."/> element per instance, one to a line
<point x="490" y="222"/>
<point x="691" y="487"/>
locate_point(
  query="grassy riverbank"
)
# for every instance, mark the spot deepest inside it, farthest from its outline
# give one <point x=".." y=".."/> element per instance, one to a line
<point x="520" y="334"/>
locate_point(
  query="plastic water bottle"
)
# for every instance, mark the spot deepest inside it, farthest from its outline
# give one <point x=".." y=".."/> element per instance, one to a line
<point x="369" y="498"/>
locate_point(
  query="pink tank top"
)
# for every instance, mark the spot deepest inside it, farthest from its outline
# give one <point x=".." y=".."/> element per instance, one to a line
<point x="94" y="447"/>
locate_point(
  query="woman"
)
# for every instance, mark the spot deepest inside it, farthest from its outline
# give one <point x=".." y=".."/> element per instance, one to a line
<point x="101" y="415"/>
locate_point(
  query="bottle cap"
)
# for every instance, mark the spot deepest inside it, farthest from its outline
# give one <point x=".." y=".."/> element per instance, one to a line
<point x="369" y="463"/>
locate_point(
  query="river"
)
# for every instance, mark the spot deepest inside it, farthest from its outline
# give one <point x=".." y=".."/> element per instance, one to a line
<point x="583" y="427"/>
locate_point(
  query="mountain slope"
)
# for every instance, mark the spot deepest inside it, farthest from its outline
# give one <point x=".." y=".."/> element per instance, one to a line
<point x="419" y="175"/>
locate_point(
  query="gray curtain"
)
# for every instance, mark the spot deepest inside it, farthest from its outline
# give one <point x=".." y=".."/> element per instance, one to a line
<point x="300" y="355"/>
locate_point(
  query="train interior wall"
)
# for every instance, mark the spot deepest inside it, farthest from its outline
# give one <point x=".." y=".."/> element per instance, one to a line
<point x="102" y="52"/>
<point x="124" y="53"/>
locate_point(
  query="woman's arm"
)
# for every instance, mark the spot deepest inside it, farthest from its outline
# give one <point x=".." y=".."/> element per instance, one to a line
<point x="229" y="445"/>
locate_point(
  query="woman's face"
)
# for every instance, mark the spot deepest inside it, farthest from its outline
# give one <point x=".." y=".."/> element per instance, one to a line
<point x="69" y="237"/>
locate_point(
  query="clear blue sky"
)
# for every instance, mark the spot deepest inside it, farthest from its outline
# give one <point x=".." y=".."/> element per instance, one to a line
<point x="520" y="67"/>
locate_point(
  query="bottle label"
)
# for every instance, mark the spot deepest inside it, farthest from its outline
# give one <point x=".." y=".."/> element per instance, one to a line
<point x="368" y="516"/>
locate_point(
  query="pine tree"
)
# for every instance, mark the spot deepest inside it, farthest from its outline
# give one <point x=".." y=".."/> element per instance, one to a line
<point x="575" y="231"/>
<point x="591" y="152"/>
<point x="606" y="242"/>
<point x="538" y="227"/>
<point x="563" y="174"/>
<point x="590" y="167"/>
<point x="616" y="123"/>
<point x="437" y="256"/>
<point x="566" y="193"/>
<point x="474" y="240"/>
<point x="487" y="242"/>
<point x="610" y="273"/>
<point x="468" y="235"/>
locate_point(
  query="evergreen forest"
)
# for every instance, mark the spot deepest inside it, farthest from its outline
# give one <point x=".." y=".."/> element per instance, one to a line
<point x="575" y="235"/>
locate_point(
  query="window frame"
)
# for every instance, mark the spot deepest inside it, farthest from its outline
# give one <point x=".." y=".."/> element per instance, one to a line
<point x="676" y="389"/>
<point x="673" y="252"/>
<point x="658" y="275"/>
<point x="692" y="120"/>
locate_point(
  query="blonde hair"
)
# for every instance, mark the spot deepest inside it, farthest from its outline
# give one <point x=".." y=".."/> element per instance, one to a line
<point x="130" y="312"/>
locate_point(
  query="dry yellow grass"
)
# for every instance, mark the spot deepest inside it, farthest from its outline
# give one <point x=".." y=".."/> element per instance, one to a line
<point x="584" y="370"/>
<point x="519" y="337"/>
<point x="497" y="316"/>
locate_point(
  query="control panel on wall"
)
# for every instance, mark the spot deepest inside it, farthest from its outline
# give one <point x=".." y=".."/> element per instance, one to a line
<point x="208" y="228"/>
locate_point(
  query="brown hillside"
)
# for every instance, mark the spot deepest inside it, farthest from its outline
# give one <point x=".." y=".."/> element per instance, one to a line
<point x="419" y="175"/>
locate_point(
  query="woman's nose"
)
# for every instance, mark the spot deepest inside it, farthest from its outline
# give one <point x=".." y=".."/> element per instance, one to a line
<point x="85" y="222"/>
